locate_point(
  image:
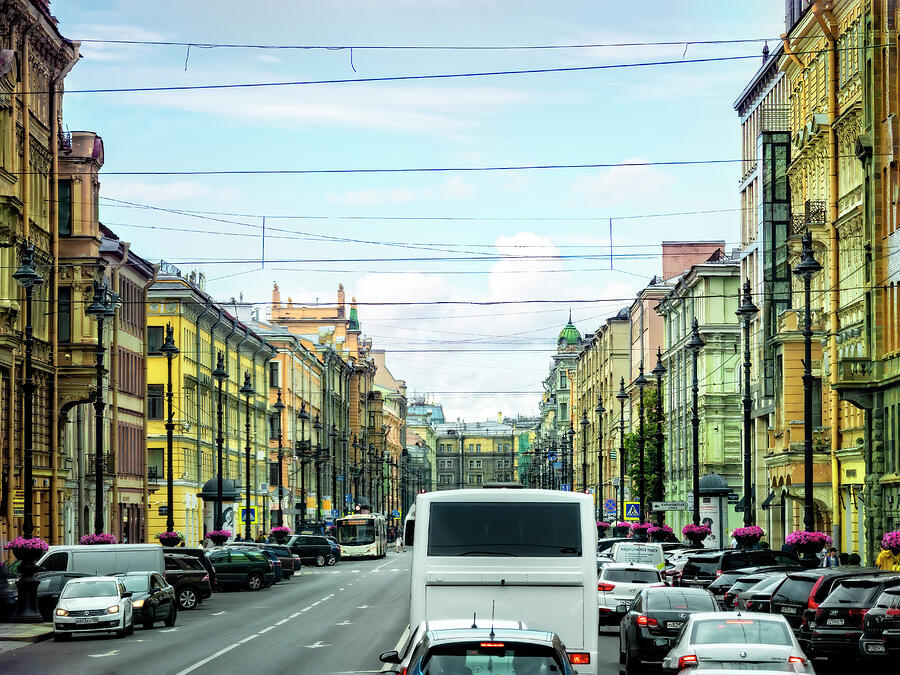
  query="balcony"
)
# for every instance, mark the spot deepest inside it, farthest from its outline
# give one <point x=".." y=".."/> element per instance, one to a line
<point x="109" y="464"/>
<point x="853" y="372"/>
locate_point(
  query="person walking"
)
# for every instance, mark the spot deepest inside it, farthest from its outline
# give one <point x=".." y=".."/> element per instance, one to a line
<point x="398" y="544"/>
<point x="831" y="559"/>
<point x="887" y="560"/>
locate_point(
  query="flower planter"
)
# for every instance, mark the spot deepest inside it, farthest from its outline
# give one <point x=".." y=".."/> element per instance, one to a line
<point x="280" y="538"/>
<point x="218" y="539"/>
<point x="98" y="539"/>
<point x="170" y="541"/>
<point x="28" y="556"/>
<point x="696" y="540"/>
<point x="747" y="542"/>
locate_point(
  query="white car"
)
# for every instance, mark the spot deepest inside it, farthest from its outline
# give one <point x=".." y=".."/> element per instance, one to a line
<point x="93" y="605"/>
<point x="618" y="584"/>
<point x="732" y="641"/>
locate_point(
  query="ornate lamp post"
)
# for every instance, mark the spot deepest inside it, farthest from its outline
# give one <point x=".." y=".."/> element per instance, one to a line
<point x="333" y="435"/>
<point x="570" y="477"/>
<point x="747" y="312"/>
<point x="584" y="429"/>
<point x="694" y="345"/>
<point x="622" y="396"/>
<point x="317" y="461"/>
<point x="303" y="451"/>
<point x="600" y="411"/>
<point x="658" y="371"/>
<point x="640" y="383"/>
<point x="26" y="602"/>
<point x="219" y="375"/>
<point x="806" y="268"/>
<point x="278" y="406"/>
<point x="170" y="351"/>
<point x="247" y="391"/>
<point x="102" y="307"/>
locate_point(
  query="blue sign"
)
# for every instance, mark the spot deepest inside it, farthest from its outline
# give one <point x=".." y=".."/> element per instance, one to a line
<point x="248" y="515"/>
<point x="551" y="456"/>
<point x="609" y="506"/>
<point x="348" y="499"/>
<point x="564" y="487"/>
<point x="339" y="479"/>
<point x="395" y="513"/>
<point x="557" y="465"/>
<point x="632" y="510"/>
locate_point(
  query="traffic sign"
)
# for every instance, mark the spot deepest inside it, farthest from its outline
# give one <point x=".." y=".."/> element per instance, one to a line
<point x="348" y="499"/>
<point x="552" y="456"/>
<point x="668" y="506"/>
<point x="632" y="510"/>
<point x="339" y="479"/>
<point x="18" y="503"/>
<point x="248" y="515"/>
<point x="609" y="506"/>
<point x="395" y="513"/>
<point x="564" y="487"/>
<point x="557" y="465"/>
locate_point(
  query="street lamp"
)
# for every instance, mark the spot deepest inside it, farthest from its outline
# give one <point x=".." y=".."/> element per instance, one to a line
<point x="219" y="375"/>
<point x="317" y="461"/>
<point x="640" y="383"/>
<point x="333" y="435"/>
<point x="26" y="602"/>
<point x="658" y="371"/>
<point x="570" y="456"/>
<point x="356" y="470"/>
<point x="600" y="411"/>
<point x="622" y="396"/>
<point x="278" y="406"/>
<point x="694" y="345"/>
<point x="584" y="429"/>
<point x="806" y="268"/>
<point x="747" y="312"/>
<point x="303" y="451"/>
<point x="102" y="307"/>
<point x="247" y="391"/>
<point x="170" y="351"/>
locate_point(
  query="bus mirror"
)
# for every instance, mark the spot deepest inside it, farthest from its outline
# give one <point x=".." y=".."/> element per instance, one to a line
<point x="389" y="657"/>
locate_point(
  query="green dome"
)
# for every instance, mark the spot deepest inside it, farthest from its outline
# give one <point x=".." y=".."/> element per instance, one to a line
<point x="569" y="334"/>
<point x="354" y="320"/>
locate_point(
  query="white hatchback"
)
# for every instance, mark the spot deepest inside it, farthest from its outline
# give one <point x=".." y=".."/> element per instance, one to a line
<point x="618" y="584"/>
<point x="93" y="605"/>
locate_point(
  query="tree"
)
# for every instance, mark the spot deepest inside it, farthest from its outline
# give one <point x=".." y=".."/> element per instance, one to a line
<point x="632" y="454"/>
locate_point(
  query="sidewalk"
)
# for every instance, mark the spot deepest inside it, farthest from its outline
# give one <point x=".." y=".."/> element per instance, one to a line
<point x="25" y="632"/>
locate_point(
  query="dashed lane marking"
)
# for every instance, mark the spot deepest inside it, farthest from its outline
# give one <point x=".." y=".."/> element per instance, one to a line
<point x="266" y="630"/>
<point x="112" y="652"/>
<point x="282" y="622"/>
<point x="248" y="638"/>
<point x="317" y="645"/>
<point x="224" y="611"/>
<point x="295" y="615"/>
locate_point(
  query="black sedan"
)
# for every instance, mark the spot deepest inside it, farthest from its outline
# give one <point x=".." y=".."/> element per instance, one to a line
<point x="652" y="624"/>
<point x="50" y="585"/>
<point x="153" y="599"/>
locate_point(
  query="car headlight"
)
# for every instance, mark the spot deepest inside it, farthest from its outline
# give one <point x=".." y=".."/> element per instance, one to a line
<point x="113" y="609"/>
<point x="138" y="603"/>
<point x="61" y="612"/>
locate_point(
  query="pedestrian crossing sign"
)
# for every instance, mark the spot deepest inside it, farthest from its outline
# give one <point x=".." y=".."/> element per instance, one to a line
<point x="632" y="511"/>
<point x="248" y="515"/>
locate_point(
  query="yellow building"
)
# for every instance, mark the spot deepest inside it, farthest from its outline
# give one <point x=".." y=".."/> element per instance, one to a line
<point x="470" y="454"/>
<point x="203" y="330"/>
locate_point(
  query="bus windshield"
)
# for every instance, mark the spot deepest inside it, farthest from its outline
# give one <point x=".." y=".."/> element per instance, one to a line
<point x="356" y="532"/>
<point x="518" y="529"/>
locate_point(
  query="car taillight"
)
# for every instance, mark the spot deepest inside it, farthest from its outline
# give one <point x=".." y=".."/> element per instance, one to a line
<point x="718" y="573"/>
<point x="818" y="613"/>
<point x="687" y="661"/>
<point x="861" y="613"/>
<point x="579" y="658"/>
<point x="796" y="659"/>
<point x="892" y="612"/>
<point x="205" y="578"/>
<point x="647" y="621"/>
<point x="605" y="587"/>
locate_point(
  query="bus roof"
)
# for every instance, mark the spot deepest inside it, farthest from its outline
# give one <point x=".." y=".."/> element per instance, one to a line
<point x="504" y="495"/>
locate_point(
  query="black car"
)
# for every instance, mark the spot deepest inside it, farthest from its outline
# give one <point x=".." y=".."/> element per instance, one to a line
<point x="312" y="548"/>
<point x="189" y="579"/>
<point x="838" y="623"/>
<point x="702" y="569"/>
<point x="281" y="551"/>
<point x="722" y="586"/>
<point x="152" y="598"/>
<point x="243" y="568"/>
<point x="804" y="591"/>
<point x="49" y="587"/>
<point x="650" y="627"/>
<point x="199" y="554"/>
<point x="881" y="628"/>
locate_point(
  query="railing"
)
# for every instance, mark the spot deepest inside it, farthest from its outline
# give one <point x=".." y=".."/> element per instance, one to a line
<point x="168" y="269"/>
<point x="109" y="465"/>
<point x="854" y="370"/>
<point x="775" y="118"/>
<point x="153" y="474"/>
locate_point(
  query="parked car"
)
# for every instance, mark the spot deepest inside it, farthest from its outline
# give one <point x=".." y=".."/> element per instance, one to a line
<point x="152" y="598"/>
<point x="49" y="587"/>
<point x="280" y="552"/>
<point x="804" y="590"/>
<point x="275" y="560"/>
<point x="242" y="568"/>
<point x="651" y="626"/>
<point x="189" y="578"/>
<point x="617" y="586"/>
<point x="199" y="554"/>
<point x="702" y="569"/>
<point x="471" y="650"/>
<point x="93" y="605"/>
<point x="312" y="549"/>
<point x="103" y="559"/>
<point x="724" y="640"/>
<point x="758" y="598"/>
<point x="881" y="627"/>
<point x="737" y="581"/>
<point x="838" y="623"/>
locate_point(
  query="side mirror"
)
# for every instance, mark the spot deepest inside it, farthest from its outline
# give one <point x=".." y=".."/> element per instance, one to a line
<point x="127" y="594"/>
<point x="389" y="657"/>
<point x="621" y="609"/>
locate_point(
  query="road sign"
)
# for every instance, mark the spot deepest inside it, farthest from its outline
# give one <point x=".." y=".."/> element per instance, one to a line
<point x="395" y="513"/>
<point x="248" y="515"/>
<point x="609" y="506"/>
<point x="564" y="487"/>
<point x="690" y="501"/>
<point x="557" y="465"/>
<point x="632" y="510"/>
<point x="18" y="503"/>
<point x="339" y="479"/>
<point x="348" y="499"/>
<point x="552" y="456"/>
<point x="668" y="506"/>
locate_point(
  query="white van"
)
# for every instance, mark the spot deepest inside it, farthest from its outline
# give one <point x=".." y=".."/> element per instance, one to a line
<point x="639" y="553"/>
<point x="518" y="555"/>
<point x="104" y="559"/>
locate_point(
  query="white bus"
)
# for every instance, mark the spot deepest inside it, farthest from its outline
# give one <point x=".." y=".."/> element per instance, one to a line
<point x="519" y="555"/>
<point x="362" y="536"/>
<point x="409" y="527"/>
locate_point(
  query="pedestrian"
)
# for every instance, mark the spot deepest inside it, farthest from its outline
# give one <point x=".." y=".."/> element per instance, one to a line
<point x="887" y="560"/>
<point x="237" y="537"/>
<point x="854" y="559"/>
<point x="845" y="559"/>
<point x="831" y="559"/>
<point x="398" y="545"/>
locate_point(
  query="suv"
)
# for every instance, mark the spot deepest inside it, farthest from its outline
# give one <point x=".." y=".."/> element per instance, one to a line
<point x="312" y="548"/>
<point x="189" y="579"/>
<point x="701" y="569"/>
<point x="242" y="568"/>
<point x="838" y="623"/>
<point x="881" y="628"/>
<point x="280" y="551"/>
<point x="618" y="584"/>
<point x="802" y="591"/>
<point x="199" y="554"/>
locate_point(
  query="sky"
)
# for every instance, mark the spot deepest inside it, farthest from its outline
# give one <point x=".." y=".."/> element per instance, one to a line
<point x="579" y="239"/>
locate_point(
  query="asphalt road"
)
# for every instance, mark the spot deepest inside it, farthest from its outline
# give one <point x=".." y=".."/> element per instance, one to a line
<point x="325" y="621"/>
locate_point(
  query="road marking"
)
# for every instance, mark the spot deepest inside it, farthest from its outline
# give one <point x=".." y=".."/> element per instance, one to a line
<point x="340" y="589"/>
<point x="100" y="656"/>
<point x="295" y="615"/>
<point x="168" y="630"/>
<point x="394" y="569"/>
<point x="224" y="611"/>
<point x="355" y="571"/>
<point x="282" y="622"/>
<point x="306" y="609"/>
<point x="318" y="645"/>
<point x="212" y="657"/>
<point x="345" y="622"/>
<point x="266" y="630"/>
<point x="363" y="607"/>
<point x="317" y="602"/>
<point x="248" y="638"/>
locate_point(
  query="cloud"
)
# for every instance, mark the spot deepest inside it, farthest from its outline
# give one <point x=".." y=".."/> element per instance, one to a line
<point x="623" y="184"/>
<point x="268" y="58"/>
<point x="113" y="52"/>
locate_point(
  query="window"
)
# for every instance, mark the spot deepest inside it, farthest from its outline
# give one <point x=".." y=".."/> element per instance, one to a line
<point x="274" y="426"/>
<point x="474" y="463"/>
<point x="155" y="337"/>
<point x="563" y="380"/>
<point x="155" y="462"/>
<point x="475" y="479"/>
<point x="64" y="313"/>
<point x="471" y="447"/>
<point x="154" y="401"/>
<point x="445" y="479"/>
<point x="478" y="447"/>
<point x="64" y="214"/>
<point x="563" y="412"/>
<point x="274" y="374"/>
<point x="273" y="474"/>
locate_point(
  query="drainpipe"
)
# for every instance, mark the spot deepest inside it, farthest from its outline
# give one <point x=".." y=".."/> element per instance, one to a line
<point x="239" y="379"/>
<point x="825" y="20"/>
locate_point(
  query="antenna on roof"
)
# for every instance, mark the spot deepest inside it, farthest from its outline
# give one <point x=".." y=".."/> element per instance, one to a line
<point x="493" y="605"/>
<point x="474" y="622"/>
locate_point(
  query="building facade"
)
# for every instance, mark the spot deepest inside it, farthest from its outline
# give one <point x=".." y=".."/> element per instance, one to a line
<point x="470" y="454"/>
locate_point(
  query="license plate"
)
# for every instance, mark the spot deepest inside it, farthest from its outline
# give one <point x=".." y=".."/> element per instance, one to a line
<point x="788" y="610"/>
<point x="88" y="620"/>
<point x="674" y="624"/>
<point x="834" y="622"/>
<point x="874" y="648"/>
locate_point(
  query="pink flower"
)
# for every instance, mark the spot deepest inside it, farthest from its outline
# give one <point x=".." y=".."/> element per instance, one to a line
<point x="280" y="529"/>
<point x="696" y="530"/>
<point x="102" y="538"/>
<point x="804" y="538"/>
<point x="225" y="534"/>
<point x="34" y="544"/>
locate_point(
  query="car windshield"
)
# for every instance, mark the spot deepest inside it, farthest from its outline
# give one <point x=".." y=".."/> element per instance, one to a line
<point x="89" y="589"/>
<point x="794" y="589"/>
<point x="356" y="532"/>
<point x="678" y="601"/>
<point x="631" y="576"/>
<point x="136" y="583"/>
<point x="516" y="529"/>
<point x="740" y="631"/>
<point x="495" y="656"/>
<point x="853" y="593"/>
<point x="704" y="566"/>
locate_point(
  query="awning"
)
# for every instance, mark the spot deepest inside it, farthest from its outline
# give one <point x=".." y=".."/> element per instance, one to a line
<point x="768" y="501"/>
<point x="739" y="506"/>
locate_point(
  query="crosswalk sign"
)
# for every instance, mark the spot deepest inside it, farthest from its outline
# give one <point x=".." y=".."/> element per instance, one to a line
<point x="245" y="512"/>
<point x="632" y="511"/>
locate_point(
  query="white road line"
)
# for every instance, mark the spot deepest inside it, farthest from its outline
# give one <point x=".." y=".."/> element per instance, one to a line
<point x="282" y="622"/>
<point x="224" y="611"/>
<point x="340" y="589"/>
<point x="317" y="602"/>
<point x="295" y="615"/>
<point x="248" y="638"/>
<point x="203" y="662"/>
<point x="168" y="630"/>
<point x="100" y="656"/>
<point x="266" y="630"/>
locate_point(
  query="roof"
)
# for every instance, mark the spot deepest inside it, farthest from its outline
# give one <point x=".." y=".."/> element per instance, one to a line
<point x="508" y="634"/>
<point x="569" y="334"/>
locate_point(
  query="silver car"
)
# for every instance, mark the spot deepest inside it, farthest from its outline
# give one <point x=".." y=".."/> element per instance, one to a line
<point x="93" y="605"/>
<point x="742" y="640"/>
